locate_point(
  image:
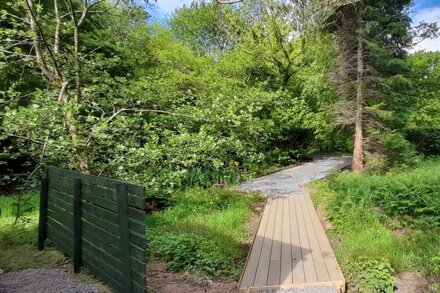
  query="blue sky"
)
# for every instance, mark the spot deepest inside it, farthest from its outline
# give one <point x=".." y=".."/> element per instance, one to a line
<point x="423" y="10"/>
<point x="428" y="11"/>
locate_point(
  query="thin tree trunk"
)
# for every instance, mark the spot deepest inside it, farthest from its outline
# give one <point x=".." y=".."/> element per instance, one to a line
<point x="78" y="91"/>
<point x="358" y="164"/>
<point x="56" y="46"/>
<point x="36" y="42"/>
<point x="75" y="132"/>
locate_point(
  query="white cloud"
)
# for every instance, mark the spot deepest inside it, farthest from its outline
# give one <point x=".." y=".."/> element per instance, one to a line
<point x="428" y="15"/>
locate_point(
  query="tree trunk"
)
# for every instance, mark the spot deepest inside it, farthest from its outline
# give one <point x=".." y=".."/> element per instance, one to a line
<point x="358" y="164"/>
<point x="77" y="140"/>
<point x="76" y="40"/>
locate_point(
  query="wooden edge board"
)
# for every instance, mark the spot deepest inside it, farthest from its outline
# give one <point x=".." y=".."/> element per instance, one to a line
<point x="338" y="285"/>
<point x="253" y="240"/>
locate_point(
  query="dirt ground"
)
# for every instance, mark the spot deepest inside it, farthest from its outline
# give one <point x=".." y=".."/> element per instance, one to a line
<point x="412" y="282"/>
<point x="162" y="281"/>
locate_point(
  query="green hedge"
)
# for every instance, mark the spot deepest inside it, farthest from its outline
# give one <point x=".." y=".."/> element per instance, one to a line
<point x="426" y="140"/>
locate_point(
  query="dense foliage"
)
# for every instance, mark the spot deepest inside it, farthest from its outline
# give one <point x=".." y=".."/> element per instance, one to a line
<point x="218" y="93"/>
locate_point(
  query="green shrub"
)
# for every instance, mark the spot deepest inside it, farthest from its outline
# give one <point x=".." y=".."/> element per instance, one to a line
<point x="178" y="250"/>
<point x="426" y="140"/>
<point x="371" y="275"/>
<point x="399" y="151"/>
<point x="376" y="163"/>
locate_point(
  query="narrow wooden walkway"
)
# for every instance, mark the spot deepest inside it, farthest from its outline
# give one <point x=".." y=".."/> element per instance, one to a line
<point x="291" y="249"/>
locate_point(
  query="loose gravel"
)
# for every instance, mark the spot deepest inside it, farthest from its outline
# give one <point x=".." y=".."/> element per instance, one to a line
<point x="43" y="281"/>
<point x="289" y="182"/>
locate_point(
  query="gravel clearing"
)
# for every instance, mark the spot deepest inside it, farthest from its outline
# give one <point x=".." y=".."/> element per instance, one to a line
<point x="290" y="181"/>
<point x="43" y="281"/>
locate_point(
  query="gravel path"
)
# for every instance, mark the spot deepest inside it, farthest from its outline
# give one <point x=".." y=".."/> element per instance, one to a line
<point x="43" y="281"/>
<point x="290" y="181"/>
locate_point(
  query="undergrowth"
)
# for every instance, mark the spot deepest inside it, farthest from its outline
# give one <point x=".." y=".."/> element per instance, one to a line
<point x="203" y="230"/>
<point x="18" y="236"/>
<point x="383" y="225"/>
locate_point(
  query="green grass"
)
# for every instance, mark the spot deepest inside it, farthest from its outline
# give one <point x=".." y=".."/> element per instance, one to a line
<point x="203" y="230"/>
<point x="18" y="237"/>
<point x="383" y="220"/>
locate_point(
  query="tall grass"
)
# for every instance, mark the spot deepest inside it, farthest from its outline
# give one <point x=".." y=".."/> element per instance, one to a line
<point x="413" y="195"/>
<point x="204" y="230"/>
<point x="18" y="237"/>
<point x="392" y="218"/>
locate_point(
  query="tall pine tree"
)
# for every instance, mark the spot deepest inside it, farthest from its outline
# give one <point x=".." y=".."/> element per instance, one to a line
<point x="373" y="36"/>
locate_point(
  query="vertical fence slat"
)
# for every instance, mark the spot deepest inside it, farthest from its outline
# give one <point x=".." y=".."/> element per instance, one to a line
<point x="42" y="225"/>
<point x="77" y="227"/>
<point x="124" y="240"/>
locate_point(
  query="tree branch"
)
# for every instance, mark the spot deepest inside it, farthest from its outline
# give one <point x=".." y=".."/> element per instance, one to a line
<point x="36" y="28"/>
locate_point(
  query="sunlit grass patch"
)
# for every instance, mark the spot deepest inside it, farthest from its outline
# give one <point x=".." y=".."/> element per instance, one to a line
<point x="18" y="236"/>
<point x="203" y="230"/>
<point x="387" y="223"/>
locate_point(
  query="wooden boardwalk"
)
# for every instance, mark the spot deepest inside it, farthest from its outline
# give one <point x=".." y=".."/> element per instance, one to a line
<point x="290" y="249"/>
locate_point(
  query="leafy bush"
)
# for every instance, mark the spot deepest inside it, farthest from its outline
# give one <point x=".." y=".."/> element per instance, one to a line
<point x="371" y="275"/>
<point x="202" y="230"/>
<point x="399" y="152"/>
<point x="426" y="140"/>
<point x="376" y="163"/>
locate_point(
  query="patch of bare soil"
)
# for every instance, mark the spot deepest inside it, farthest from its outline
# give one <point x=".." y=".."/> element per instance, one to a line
<point x="162" y="281"/>
<point x="399" y="233"/>
<point x="412" y="282"/>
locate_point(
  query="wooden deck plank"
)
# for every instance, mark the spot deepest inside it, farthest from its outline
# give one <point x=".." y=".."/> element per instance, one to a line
<point x="333" y="268"/>
<point x="290" y="249"/>
<point x="297" y="264"/>
<point x="306" y="252"/>
<point x="275" y="256"/>
<point x="318" y="260"/>
<point x="254" y="256"/>
<point x="286" y="246"/>
<point x="264" y="262"/>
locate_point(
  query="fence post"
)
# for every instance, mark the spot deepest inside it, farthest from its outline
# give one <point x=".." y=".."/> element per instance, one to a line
<point x="77" y="226"/>
<point x="124" y="241"/>
<point x="42" y="224"/>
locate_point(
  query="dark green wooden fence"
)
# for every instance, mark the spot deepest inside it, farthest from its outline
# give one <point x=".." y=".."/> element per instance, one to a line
<point x="99" y="222"/>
